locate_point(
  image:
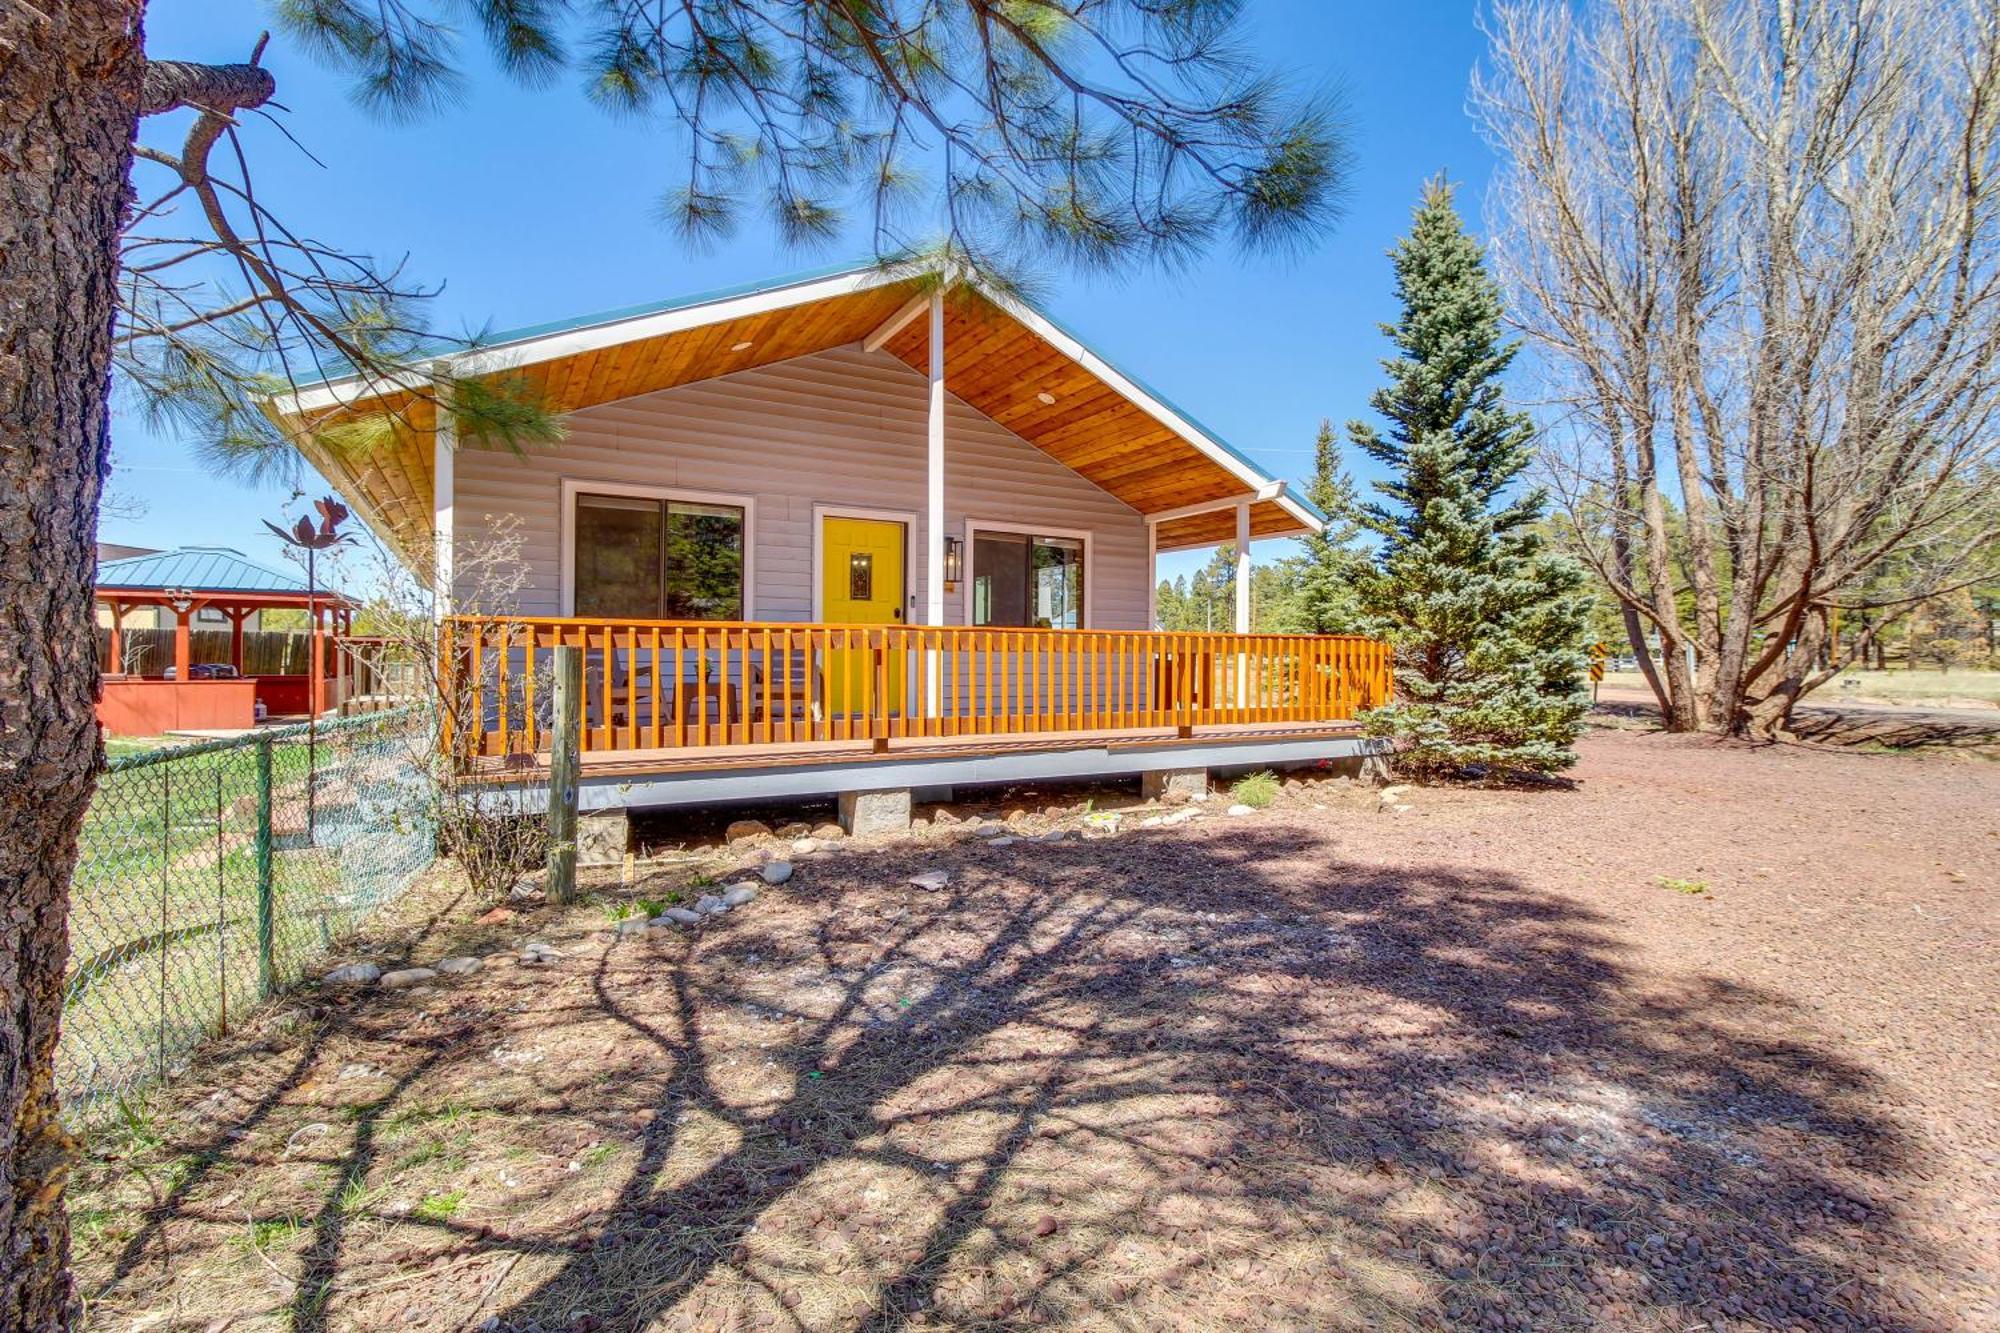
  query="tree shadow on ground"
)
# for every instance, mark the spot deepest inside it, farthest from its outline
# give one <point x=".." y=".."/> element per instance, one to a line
<point x="1178" y="1080"/>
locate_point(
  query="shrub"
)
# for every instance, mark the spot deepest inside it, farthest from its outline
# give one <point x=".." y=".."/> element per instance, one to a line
<point x="1255" y="790"/>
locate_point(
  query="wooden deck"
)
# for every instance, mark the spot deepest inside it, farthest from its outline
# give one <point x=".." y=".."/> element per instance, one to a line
<point x="669" y="761"/>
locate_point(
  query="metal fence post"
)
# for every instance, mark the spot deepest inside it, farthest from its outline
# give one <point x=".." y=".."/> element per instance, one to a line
<point x="267" y="978"/>
<point x="565" y="746"/>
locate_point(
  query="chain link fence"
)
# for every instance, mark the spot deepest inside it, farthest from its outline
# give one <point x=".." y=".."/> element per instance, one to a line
<point x="209" y="876"/>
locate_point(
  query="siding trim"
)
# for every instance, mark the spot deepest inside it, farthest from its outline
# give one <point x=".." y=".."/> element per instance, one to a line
<point x="822" y="512"/>
<point x="975" y="526"/>
<point x="566" y="520"/>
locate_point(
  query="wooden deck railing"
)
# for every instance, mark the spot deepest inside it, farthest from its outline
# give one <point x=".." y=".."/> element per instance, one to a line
<point x="653" y="684"/>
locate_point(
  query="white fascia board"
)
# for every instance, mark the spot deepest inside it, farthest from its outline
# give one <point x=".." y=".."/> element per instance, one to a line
<point x="590" y="338"/>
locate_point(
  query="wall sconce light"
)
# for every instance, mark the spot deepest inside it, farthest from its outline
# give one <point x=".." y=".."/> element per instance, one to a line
<point x="954" y="562"/>
<point x="180" y="599"/>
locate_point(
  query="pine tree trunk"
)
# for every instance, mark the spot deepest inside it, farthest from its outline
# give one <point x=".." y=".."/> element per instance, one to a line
<point x="70" y="74"/>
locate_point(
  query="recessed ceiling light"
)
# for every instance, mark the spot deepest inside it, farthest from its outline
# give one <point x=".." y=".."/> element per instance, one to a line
<point x="1047" y="398"/>
<point x="740" y="347"/>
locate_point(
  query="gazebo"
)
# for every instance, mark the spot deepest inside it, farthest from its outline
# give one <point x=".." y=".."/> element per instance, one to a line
<point x="194" y="695"/>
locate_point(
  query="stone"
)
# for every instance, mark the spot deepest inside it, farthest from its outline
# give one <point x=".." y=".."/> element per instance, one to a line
<point x="828" y="832"/>
<point x="804" y="846"/>
<point x="536" y="953"/>
<point x="742" y="830"/>
<point x="1240" y="809"/>
<point x="1152" y="821"/>
<point x="1391" y="795"/>
<point x="931" y="880"/>
<point x="1053" y="835"/>
<point x="407" y="976"/>
<point x="1174" y="784"/>
<point x="353" y="974"/>
<point x="795" y="829"/>
<point x="1180" y="817"/>
<point x="495" y="916"/>
<point x="681" y="916"/>
<point x="990" y="831"/>
<point x="632" y="925"/>
<point x="1003" y="842"/>
<point x="602" y="838"/>
<point x="1100" y="823"/>
<point x="942" y="818"/>
<point x="525" y="891"/>
<point x="459" y="967"/>
<point x="1015" y="814"/>
<point x="875" y="813"/>
<point x="777" y="872"/>
<point x="707" y="904"/>
<point x="739" y="895"/>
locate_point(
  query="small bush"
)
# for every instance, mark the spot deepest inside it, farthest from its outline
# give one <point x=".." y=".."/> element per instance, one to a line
<point x="1255" y="790"/>
<point x="651" y="906"/>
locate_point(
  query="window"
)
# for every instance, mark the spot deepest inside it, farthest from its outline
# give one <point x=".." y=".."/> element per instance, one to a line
<point x="1023" y="580"/>
<point x="208" y="615"/>
<point x="645" y="558"/>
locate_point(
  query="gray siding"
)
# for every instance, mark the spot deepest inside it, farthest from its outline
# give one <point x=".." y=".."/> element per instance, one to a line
<point x="841" y="428"/>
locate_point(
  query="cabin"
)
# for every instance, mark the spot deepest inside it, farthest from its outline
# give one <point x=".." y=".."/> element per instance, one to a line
<point x="861" y="533"/>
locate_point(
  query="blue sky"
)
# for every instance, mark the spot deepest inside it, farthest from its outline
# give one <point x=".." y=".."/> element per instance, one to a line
<point x="531" y="206"/>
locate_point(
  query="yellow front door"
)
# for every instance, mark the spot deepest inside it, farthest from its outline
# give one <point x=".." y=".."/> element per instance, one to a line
<point x="861" y="572"/>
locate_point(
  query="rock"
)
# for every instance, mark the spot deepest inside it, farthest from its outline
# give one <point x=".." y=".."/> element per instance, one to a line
<point x="1180" y="817"/>
<point x="828" y="832"/>
<point x="1053" y="835"/>
<point x="459" y="967"/>
<point x="407" y="976"/>
<point x="1391" y="795"/>
<point x="632" y="925"/>
<point x="990" y="831"/>
<point x="1152" y="821"/>
<point x="739" y="895"/>
<point x="931" y="880"/>
<point x="1241" y="809"/>
<point x="1198" y="797"/>
<point x="804" y="846"/>
<point x="536" y="953"/>
<point x="1015" y="815"/>
<point x="525" y="891"/>
<point x="496" y="916"/>
<point x="353" y="974"/>
<point x="680" y="916"/>
<point x="1003" y="842"/>
<point x="795" y="829"/>
<point x="742" y="830"/>
<point x="1101" y="821"/>
<point x="941" y="818"/>
<point x="707" y="903"/>
<point x="777" y="872"/>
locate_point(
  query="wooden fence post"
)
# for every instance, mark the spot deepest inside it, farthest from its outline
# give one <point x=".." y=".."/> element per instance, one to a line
<point x="565" y="746"/>
<point x="267" y="977"/>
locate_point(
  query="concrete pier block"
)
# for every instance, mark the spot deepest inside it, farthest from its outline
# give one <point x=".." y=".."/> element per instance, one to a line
<point x="1173" y="784"/>
<point x="602" y="838"/>
<point x="867" y="813"/>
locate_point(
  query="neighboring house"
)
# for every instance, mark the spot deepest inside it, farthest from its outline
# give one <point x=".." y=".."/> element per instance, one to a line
<point x="144" y="617"/>
<point x="766" y="469"/>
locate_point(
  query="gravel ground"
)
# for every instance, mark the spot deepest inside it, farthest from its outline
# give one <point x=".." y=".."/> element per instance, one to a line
<point x="1706" y="1041"/>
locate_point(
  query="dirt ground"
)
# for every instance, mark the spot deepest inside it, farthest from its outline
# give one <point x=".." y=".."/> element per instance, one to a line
<point x="1708" y="1041"/>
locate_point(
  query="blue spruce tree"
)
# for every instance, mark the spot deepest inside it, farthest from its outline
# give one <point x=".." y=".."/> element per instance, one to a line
<point x="1488" y="626"/>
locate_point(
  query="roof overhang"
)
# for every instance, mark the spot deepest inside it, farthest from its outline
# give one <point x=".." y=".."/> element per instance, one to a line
<point x="1003" y="358"/>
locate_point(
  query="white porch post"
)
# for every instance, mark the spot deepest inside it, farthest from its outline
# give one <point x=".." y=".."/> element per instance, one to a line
<point x="1152" y="575"/>
<point x="934" y="502"/>
<point x="1243" y="567"/>
<point x="934" y="473"/>
<point x="443" y="462"/>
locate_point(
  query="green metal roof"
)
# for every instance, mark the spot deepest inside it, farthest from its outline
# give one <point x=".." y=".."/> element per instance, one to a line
<point x="200" y="569"/>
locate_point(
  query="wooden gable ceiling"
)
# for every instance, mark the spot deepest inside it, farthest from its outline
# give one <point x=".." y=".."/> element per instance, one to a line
<point x="1002" y="367"/>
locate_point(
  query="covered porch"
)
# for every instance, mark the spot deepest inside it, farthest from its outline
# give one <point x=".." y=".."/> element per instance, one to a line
<point x="218" y="587"/>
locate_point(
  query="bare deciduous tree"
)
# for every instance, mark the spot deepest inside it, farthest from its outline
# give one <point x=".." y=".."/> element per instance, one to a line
<point x="1756" y="246"/>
